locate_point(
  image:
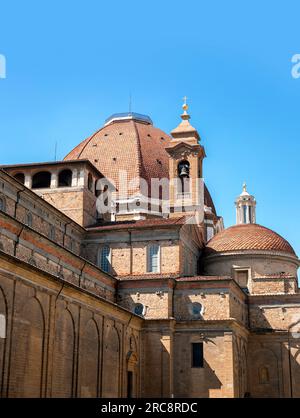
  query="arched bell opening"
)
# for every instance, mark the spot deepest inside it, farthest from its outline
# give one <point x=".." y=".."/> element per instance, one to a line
<point x="183" y="170"/>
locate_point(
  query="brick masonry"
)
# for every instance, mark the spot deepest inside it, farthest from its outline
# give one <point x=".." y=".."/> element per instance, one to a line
<point x="71" y="331"/>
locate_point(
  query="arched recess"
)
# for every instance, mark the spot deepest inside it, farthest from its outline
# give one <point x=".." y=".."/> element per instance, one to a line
<point x="132" y="368"/>
<point x="41" y="180"/>
<point x="111" y="363"/>
<point x="296" y="373"/>
<point x="27" y="351"/>
<point x="65" y="178"/>
<point x="294" y="354"/>
<point x="63" y="355"/>
<point x="3" y="333"/>
<point x="243" y="370"/>
<point x="89" y="360"/>
<point x="263" y="359"/>
<point x="236" y="367"/>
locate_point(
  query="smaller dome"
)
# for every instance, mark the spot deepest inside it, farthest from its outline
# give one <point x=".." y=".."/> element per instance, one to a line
<point x="247" y="237"/>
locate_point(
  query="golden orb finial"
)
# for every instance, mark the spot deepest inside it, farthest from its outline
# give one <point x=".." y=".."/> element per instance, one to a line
<point x="185" y="115"/>
<point x="185" y="105"/>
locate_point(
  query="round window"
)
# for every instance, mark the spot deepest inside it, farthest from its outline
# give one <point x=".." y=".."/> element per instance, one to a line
<point x="197" y="309"/>
<point x="139" y="309"/>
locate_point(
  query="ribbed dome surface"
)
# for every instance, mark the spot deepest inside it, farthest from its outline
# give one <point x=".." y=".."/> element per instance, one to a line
<point x="247" y="237"/>
<point x="130" y="145"/>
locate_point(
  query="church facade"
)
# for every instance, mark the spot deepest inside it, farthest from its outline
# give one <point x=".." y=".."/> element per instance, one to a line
<point x="118" y="278"/>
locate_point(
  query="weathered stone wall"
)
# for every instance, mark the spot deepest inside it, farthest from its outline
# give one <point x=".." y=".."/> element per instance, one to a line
<point x="274" y="312"/>
<point x="76" y="200"/>
<point x="167" y="363"/>
<point x="34" y="248"/>
<point x="267" y="285"/>
<point x="61" y="341"/>
<point x="69" y="202"/>
<point x="131" y="258"/>
<point x="21" y="203"/>
<point x="155" y="295"/>
<point x="274" y="365"/>
<point x="283" y="268"/>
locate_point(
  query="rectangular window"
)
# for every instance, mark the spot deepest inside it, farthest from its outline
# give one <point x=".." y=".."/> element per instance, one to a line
<point x="197" y="355"/>
<point x="153" y="259"/>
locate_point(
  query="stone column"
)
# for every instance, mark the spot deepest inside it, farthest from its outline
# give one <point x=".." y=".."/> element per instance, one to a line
<point x="74" y="177"/>
<point x="54" y="180"/>
<point x="28" y="181"/>
<point x="81" y="179"/>
<point x="229" y="383"/>
<point x="167" y="365"/>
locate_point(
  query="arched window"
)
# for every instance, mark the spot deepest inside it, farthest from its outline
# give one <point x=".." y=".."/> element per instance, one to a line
<point x="153" y="262"/>
<point x="41" y="180"/>
<point x="28" y="219"/>
<point x="183" y="169"/>
<point x="90" y="182"/>
<point x="2" y="204"/>
<point x="65" y="178"/>
<point x="20" y="177"/>
<point x="104" y="258"/>
<point x="139" y="309"/>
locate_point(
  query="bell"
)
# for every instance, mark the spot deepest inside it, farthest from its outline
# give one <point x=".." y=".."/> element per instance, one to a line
<point x="184" y="170"/>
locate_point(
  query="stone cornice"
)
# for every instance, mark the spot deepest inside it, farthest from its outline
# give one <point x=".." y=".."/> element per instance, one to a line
<point x="255" y="254"/>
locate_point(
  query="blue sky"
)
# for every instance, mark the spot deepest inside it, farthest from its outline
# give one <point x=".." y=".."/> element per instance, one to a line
<point x="70" y="64"/>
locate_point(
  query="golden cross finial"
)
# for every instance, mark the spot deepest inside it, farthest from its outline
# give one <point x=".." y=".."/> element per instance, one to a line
<point x="185" y="106"/>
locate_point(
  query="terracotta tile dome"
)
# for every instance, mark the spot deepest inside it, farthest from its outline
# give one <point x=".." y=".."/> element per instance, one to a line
<point x="126" y="142"/>
<point x="247" y="237"/>
<point x="130" y="142"/>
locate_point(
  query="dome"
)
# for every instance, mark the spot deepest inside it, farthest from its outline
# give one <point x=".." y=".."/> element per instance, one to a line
<point x="129" y="142"/>
<point x="248" y="237"/>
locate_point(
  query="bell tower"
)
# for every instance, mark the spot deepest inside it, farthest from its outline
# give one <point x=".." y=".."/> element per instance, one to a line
<point x="186" y="189"/>
<point x="245" y="208"/>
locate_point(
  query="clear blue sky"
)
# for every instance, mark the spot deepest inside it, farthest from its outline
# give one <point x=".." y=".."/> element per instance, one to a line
<point x="70" y="64"/>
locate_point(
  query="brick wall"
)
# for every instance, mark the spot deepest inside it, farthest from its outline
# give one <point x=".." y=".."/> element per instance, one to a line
<point x="34" y="248"/>
<point x="64" y="342"/>
<point x="260" y="267"/>
<point x="131" y="259"/>
<point x="20" y="202"/>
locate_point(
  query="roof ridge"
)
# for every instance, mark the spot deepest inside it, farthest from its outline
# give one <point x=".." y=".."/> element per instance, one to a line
<point x="89" y="140"/>
<point x="142" y="170"/>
